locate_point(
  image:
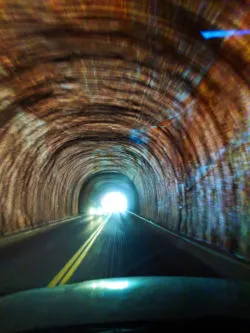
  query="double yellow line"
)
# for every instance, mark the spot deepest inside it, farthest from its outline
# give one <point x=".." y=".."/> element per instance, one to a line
<point x="71" y="266"/>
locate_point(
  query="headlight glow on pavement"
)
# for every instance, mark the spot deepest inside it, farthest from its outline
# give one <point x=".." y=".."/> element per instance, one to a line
<point x="92" y="211"/>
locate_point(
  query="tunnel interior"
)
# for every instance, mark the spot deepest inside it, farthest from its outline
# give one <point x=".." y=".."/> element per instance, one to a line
<point x="93" y="89"/>
<point x="101" y="184"/>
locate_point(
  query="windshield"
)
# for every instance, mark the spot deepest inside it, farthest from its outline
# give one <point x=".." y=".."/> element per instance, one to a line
<point x="124" y="141"/>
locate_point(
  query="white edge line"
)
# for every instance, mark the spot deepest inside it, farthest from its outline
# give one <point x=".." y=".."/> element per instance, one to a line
<point x="235" y="261"/>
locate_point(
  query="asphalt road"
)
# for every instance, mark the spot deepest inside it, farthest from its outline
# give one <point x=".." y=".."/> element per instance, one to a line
<point x="91" y="248"/>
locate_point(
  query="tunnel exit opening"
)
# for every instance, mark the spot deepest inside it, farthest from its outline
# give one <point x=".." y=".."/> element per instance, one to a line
<point x="106" y="193"/>
<point x="111" y="202"/>
<point x="114" y="202"/>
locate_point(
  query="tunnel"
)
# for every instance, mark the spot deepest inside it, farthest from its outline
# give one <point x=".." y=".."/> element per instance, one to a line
<point x="127" y="96"/>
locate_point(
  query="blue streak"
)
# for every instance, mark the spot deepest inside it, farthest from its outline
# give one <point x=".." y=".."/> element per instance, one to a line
<point x="208" y="34"/>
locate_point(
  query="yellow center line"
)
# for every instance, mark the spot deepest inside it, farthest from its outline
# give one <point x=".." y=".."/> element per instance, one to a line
<point x="80" y="259"/>
<point x="86" y="246"/>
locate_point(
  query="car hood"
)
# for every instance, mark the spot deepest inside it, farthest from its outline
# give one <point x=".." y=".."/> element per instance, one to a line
<point x="119" y="300"/>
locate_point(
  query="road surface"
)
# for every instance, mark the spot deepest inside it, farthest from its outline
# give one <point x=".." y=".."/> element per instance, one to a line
<point x="93" y="247"/>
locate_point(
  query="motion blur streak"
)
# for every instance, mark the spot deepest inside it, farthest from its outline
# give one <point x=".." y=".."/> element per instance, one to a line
<point x="132" y="88"/>
<point x="224" y="33"/>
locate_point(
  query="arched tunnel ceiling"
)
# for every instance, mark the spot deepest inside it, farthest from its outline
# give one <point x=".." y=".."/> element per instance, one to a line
<point x="128" y="87"/>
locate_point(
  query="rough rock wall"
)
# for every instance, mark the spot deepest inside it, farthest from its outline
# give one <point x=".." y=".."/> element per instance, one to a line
<point x="129" y="87"/>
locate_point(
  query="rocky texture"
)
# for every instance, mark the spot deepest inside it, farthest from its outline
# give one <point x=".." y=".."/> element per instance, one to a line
<point x="128" y="87"/>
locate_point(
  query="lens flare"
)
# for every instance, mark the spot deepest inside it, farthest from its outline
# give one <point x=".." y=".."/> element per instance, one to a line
<point x="208" y="34"/>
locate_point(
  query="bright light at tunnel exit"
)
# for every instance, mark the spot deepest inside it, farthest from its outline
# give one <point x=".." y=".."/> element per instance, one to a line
<point x="114" y="202"/>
